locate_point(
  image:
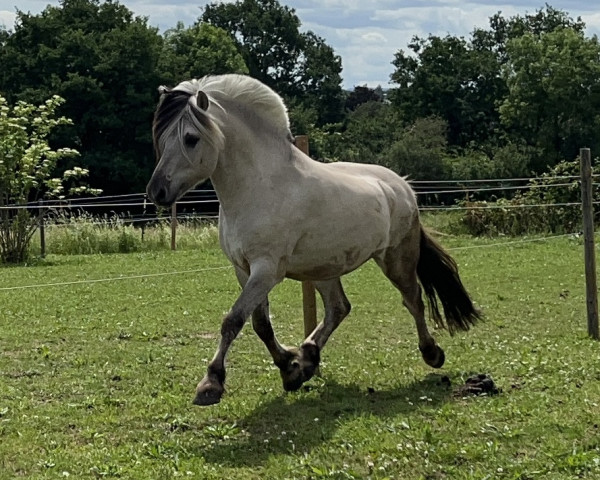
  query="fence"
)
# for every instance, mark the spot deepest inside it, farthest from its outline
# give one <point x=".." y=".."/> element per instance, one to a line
<point x="203" y="204"/>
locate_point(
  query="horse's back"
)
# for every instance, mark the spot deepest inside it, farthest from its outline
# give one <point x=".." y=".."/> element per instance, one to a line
<point x="399" y="195"/>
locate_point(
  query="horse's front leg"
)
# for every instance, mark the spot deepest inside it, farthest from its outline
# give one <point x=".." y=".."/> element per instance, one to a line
<point x="262" y="325"/>
<point x="263" y="277"/>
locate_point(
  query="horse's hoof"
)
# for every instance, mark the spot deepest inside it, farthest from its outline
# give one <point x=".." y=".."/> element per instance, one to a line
<point x="433" y="355"/>
<point x="208" y="393"/>
<point x="292" y="384"/>
<point x="300" y="367"/>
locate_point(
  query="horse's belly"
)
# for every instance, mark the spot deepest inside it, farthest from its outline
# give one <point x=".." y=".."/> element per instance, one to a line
<point x="321" y="262"/>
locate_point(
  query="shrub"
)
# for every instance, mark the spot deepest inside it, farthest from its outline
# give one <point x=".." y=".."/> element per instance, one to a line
<point x="26" y="166"/>
<point x="541" y="208"/>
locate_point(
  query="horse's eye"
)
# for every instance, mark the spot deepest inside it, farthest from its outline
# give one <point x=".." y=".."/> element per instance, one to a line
<point x="190" y="140"/>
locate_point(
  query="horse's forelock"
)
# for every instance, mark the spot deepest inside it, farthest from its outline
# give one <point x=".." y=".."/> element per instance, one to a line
<point x="172" y="107"/>
<point x="169" y="108"/>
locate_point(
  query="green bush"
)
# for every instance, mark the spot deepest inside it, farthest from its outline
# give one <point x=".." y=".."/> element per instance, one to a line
<point x="541" y="208"/>
<point x="27" y="164"/>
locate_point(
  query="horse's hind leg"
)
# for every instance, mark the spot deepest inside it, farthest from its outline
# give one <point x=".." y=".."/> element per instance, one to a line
<point x="263" y="328"/>
<point x="303" y="362"/>
<point x="399" y="264"/>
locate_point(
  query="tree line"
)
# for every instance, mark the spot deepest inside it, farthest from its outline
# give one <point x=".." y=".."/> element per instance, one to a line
<point x="512" y="99"/>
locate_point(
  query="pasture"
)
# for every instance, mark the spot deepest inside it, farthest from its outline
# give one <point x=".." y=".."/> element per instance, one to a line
<point x="96" y="379"/>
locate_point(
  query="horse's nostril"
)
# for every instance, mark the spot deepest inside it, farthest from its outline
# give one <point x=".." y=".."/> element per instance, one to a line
<point x="158" y="195"/>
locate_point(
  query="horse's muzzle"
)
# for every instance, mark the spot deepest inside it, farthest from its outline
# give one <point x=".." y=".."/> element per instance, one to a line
<point x="159" y="194"/>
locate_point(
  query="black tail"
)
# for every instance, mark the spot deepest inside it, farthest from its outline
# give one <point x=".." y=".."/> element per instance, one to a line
<point x="438" y="274"/>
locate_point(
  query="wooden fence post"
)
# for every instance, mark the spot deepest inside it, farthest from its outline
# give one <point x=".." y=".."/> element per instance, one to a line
<point x="591" y="292"/>
<point x="42" y="229"/>
<point x="173" y="226"/>
<point x="309" y="300"/>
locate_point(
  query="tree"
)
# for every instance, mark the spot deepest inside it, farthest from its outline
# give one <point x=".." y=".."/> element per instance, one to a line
<point x="197" y="51"/>
<point x="103" y="61"/>
<point x="299" y="66"/>
<point x="370" y="130"/>
<point x="554" y="92"/>
<point x="419" y="150"/>
<point x="446" y="77"/>
<point x="27" y="163"/>
<point x="462" y="80"/>
<point x="362" y="94"/>
<point x="502" y="30"/>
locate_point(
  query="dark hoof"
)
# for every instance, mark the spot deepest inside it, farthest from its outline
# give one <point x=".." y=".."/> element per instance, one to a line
<point x="208" y="393"/>
<point x="292" y="383"/>
<point x="433" y="355"/>
<point x="301" y="366"/>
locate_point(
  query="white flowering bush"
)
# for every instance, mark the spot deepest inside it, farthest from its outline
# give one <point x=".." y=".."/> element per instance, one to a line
<point x="27" y="167"/>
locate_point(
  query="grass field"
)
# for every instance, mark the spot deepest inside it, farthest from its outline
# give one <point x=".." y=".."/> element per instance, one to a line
<point x="96" y="379"/>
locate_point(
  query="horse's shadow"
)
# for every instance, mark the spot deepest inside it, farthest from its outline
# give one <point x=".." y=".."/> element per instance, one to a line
<point x="282" y="426"/>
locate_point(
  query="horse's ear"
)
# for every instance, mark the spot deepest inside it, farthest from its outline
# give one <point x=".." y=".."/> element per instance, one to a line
<point x="162" y="90"/>
<point x="202" y="100"/>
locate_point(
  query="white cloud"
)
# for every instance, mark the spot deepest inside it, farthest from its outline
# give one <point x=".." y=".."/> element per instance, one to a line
<point x="7" y="19"/>
<point x="373" y="37"/>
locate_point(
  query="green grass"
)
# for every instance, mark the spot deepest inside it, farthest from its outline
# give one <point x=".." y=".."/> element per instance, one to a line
<point x="96" y="379"/>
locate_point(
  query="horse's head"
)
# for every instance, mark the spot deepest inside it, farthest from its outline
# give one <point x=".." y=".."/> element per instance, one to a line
<point x="187" y="142"/>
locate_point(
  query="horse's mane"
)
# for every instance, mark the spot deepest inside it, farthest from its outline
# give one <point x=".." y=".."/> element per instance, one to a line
<point x="181" y="100"/>
<point x="249" y="91"/>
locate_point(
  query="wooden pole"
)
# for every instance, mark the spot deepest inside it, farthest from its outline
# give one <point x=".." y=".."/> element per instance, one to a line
<point x="309" y="300"/>
<point x="173" y="226"/>
<point x="591" y="292"/>
<point x="42" y="230"/>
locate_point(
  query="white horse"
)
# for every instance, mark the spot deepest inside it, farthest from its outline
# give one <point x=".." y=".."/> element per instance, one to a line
<point x="283" y="214"/>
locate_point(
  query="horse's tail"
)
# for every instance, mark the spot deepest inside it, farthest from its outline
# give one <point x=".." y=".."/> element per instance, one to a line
<point x="438" y="274"/>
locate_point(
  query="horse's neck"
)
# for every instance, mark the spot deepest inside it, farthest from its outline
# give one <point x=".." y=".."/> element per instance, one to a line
<point x="249" y="163"/>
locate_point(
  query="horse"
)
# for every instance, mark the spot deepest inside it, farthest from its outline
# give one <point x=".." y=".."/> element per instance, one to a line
<point x="285" y="215"/>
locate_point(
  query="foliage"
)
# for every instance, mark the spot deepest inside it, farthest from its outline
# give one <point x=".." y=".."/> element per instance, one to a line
<point x="503" y="30"/>
<point x="299" y="66"/>
<point x="363" y="94"/>
<point x="199" y="50"/>
<point x="419" y="150"/>
<point x="370" y="130"/>
<point x="448" y="78"/>
<point x="510" y="160"/>
<point x="554" y="92"/>
<point x="103" y="61"/>
<point x="27" y="163"/>
<point x="560" y="187"/>
<point x="527" y="80"/>
<point x="97" y="378"/>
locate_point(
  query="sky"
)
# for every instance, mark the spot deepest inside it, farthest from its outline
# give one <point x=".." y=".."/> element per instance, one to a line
<point x="364" y="33"/>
